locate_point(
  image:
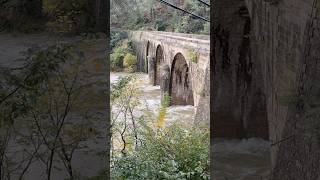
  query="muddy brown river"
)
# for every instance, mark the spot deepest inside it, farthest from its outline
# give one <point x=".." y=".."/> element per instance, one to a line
<point x="234" y="159"/>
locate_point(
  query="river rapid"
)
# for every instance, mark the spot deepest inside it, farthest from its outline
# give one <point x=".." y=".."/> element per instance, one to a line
<point x="240" y="159"/>
<point x="246" y="159"/>
<point x="151" y="98"/>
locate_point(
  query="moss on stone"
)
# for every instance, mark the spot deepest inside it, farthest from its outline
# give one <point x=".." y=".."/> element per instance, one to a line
<point x="192" y="55"/>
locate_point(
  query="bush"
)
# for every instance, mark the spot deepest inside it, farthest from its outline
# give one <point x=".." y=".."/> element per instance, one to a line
<point x="175" y="152"/>
<point x="116" y="38"/>
<point x="206" y="28"/>
<point x="129" y="60"/>
<point x="117" y="59"/>
<point x="192" y="56"/>
<point x="160" y="25"/>
<point x="119" y="53"/>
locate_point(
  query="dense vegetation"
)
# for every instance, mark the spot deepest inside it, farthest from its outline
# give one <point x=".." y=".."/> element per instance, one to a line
<point x="122" y="54"/>
<point x="152" y="15"/>
<point x="149" y="15"/>
<point x="66" y="16"/>
<point x="145" y="147"/>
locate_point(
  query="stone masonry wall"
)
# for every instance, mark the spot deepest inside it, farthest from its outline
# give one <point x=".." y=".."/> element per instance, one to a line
<point x="286" y="37"/>
<point x="172" y="44"/>
<point x="279" y="40"/>
<point x="238" y="102"/>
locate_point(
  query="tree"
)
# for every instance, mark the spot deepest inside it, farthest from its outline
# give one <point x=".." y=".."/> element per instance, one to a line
<point x="39" y="105"/>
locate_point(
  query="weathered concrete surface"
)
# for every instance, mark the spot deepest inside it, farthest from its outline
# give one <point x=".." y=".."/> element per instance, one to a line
<point x="266" y="67"/>
<point x="165" y="80"/>
<point x="163" y="47"/>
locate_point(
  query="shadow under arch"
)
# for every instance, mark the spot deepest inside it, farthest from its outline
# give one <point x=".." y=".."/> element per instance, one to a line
<point x="180" y="86"/>
<point x="159" y="60"/>
<point x="146" y="58"/>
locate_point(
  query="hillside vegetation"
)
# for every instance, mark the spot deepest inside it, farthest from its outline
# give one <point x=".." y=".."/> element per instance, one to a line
<point x="59" y="16"/>
<point x="152" y="15"/>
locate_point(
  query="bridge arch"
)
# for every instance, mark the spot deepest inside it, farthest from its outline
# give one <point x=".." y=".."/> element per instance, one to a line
<point x="159" y="60"/>
<point x="180" y="86"/>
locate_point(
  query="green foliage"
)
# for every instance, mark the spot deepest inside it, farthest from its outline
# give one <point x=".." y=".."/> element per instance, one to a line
<point x="152" y="15"/>
<point x="188" y="25"/>
<point x="172" y="153"/>
<point x="129" y="60"/>
<point x="116" y="38"/>
<point x="118" y="88"/>
<point x="192" y="56"/>
<point x="123" y="56"/>
<point x="117" y="59"/>
<point x="206" y="28"/>
<point x="161" y="25"/>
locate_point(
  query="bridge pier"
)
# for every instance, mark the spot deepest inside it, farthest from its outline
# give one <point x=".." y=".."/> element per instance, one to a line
<point x="186" y="83"/>
<point x="151" y="64"/>
<point x="164" y="79"/>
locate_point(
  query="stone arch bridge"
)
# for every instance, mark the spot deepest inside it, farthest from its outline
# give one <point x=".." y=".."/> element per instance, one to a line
<point x="179" y="63"/>
<point x="265" y="73"/>
<point x="265" y="78"/>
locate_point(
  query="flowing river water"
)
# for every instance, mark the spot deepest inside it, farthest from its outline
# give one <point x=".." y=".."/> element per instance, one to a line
<point x="241" y="159"/>
<point x="247" y="159"/>
<point x="151" y="98"/>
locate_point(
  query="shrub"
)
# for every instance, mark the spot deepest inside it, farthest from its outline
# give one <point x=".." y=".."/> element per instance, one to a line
<point x="129" y="60"/>
<point x="117" y="58"/>
<point x="175" y="152"/>
<point x="119" y="53"/>
<point x="192" y="56"/>
<point x="128" y="46"/>
<point x="161" y="25"/>
<point x="116" y="38"/>
<point x="206" y="28"/>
